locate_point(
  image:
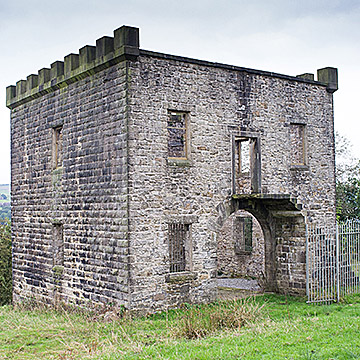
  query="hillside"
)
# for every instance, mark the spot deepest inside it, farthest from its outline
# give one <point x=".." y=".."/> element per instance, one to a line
<point x="4" y="201"/>
<point x="4" y="193"/>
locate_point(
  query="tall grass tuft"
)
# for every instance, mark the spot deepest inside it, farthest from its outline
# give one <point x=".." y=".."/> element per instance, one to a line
<point x="5" y="264"/>
<point x="199" y="321"/>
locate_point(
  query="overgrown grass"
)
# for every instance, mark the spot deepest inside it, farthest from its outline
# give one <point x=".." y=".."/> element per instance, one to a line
<point x="267" y="327"/>
<point x="5" y="263"/>
<point x="200" y="321"/>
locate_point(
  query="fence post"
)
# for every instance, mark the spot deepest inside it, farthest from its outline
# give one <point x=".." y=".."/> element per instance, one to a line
<point x="337" y="259"/>
<point x="307" y="262"/>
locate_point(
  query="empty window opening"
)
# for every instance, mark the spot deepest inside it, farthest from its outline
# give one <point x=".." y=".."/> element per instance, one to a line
<point x="243" y="156"/>
<point x="57" y="146"/>
<point x="246" y="165"/>
<point x="58" y="245"/>
<point x="177" y="135"/>
<point x="179" y="245"/>
<point x="297" y="144"/>
<point x="243" y="234"/>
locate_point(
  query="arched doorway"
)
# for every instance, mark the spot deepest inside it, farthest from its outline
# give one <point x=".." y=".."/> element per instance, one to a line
<point x="284" y="238"/>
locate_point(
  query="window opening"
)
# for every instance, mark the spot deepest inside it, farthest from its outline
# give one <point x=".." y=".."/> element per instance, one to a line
<point x="243" y="234"/>
<point x="57" y="146"/>
<point x="297" y="144"/>
<point x="243" y="156"/>
<point x="177" y="133"/>
<point x="178" y="243"/>
<point x="246" y="164"/>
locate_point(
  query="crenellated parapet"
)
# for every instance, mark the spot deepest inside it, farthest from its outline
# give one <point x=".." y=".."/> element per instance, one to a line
<point x="91" y="59"/>
<point x="327" y="76"/>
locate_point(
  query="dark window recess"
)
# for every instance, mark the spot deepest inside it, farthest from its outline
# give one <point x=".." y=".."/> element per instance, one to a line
<point x="58" y="244"/>
<point x="178" y="237"/>
<point x="242" y="231"/>
<point x="177" y="135"/>
<point x="57" y="147"/>
<point x="297" y="144"/>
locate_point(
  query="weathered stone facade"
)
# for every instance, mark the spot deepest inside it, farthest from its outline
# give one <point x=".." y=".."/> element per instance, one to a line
<point x="96" y="188"/>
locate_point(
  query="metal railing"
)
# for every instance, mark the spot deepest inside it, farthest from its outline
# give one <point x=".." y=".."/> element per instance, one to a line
<point x="332" y="261"/>
<point x="348" y="236"/>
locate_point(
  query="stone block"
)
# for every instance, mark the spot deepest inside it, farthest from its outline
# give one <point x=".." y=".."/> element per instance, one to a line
<point x="329" y="76"/>
<point x="71" y="62"/>
<point x="306" y="76"/>
<point x="126" y="36"/>
<point x="57" y="69"/>
<point x="31" y="82"/>
<point x="87" y="55"/>
<point x="10" y="93"/>
<point x="44" y="76"/>
<point x="104" y="46"/>
<point x="20" y="87"/>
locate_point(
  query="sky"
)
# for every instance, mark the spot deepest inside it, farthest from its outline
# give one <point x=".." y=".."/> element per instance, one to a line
<point x="285" y="36"/>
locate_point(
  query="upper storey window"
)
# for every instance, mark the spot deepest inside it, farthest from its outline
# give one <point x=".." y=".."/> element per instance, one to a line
<point x="297" y="144"/>
<point x="177" y="135"/>
<point x="246" y="161"/>
<point x="243" y="156"/>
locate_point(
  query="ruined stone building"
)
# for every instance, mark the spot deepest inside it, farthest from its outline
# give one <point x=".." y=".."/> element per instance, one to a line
<point x="139" y="177"/>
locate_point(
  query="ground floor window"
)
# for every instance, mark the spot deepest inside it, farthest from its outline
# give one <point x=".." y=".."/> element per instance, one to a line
<point x="179" y="239"/>
<point x="242" y="232"/>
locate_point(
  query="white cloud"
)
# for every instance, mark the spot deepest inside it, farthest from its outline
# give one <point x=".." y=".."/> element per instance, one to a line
<point x="285" y="36"/>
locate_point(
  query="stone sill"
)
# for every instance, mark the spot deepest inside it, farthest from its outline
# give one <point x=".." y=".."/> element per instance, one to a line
<point x="299" y="167"/>
<point x="179" y="162"/>
<point x="243" y="252"/>
<point x="179" y="277"/>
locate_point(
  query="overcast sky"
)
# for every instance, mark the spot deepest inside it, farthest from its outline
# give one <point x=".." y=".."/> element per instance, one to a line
<point x="285" y="36"/>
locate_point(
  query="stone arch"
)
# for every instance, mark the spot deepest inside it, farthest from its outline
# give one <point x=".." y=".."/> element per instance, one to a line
<point x="283" y="227"/>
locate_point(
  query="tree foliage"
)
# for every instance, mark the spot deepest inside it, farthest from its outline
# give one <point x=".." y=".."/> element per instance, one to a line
<point x="347" y="181"/>
<point x="5" y="263"/>
<point x="348" y="199"/>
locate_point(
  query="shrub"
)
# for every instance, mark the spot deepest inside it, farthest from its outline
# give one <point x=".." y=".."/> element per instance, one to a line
<point x="5" y="264"/>
<point x="200" y="321"/>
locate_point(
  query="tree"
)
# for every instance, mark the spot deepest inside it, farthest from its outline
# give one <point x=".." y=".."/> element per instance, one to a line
<point x="347" y="181"/>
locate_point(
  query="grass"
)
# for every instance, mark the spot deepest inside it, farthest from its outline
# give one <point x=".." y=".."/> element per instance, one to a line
<point x="271" y="327"/>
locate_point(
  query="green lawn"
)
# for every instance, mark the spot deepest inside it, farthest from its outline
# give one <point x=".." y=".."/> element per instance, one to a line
<point x="283" y="329"/>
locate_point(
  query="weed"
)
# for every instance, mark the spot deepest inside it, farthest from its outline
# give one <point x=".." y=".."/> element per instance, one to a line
<point x="200" y="321"/>
<point x="5" y="264"/>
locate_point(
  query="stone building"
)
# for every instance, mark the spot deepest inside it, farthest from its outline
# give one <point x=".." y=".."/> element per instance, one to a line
<point x="139" y="177"/>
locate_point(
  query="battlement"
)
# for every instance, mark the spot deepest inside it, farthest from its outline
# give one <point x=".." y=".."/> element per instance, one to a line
<point x="91" y="59"/>
<point x="111" y="50"/>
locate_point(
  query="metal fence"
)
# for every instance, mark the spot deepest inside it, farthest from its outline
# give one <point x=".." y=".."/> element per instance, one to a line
<point x="348" y="236"/>
<point x="332" y="261"/>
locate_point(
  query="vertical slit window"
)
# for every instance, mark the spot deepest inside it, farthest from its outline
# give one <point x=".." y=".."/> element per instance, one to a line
<point x="57" y="147"/>
<point x="177" y="135"/>
<point x="178" y="237"/>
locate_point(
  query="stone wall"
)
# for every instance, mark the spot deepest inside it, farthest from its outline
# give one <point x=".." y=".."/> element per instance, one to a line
<point x="221" y="103"/>
<point x="233" y="262"/>
<point x="95" y="227"/>
<point x="86" y="196"/>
